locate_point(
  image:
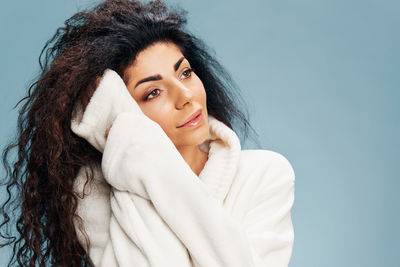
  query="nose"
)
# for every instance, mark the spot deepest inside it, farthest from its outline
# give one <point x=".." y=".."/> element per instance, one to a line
<point x="184" y="96"/>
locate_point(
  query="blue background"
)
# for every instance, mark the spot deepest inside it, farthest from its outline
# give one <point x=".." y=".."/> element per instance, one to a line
<point x="321" y="79"/>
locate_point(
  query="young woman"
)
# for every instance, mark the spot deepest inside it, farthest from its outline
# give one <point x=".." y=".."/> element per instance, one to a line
<point x="127" y="157"/>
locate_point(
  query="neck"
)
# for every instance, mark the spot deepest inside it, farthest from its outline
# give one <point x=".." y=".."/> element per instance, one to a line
<point x="194" y="157"/>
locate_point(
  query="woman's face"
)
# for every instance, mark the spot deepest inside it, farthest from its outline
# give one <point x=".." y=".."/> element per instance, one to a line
<point x="168" y="92"/>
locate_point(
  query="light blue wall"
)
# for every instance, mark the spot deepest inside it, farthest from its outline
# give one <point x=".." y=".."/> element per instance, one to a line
<point x="322" y="82"/>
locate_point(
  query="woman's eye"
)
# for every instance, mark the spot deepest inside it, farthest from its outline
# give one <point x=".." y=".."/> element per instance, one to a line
<point x="187" y="73"/>
<point x="151" y="93"/>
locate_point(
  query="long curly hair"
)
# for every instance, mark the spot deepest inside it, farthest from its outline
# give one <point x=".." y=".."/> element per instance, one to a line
<point x="41" y="204"/>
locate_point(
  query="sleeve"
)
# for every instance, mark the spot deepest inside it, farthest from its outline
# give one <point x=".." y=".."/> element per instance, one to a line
<point x="95" y="212"/>
<point x="111" y="220"/>
<point x="268" y="222"/>
<point x="139" y="158"/>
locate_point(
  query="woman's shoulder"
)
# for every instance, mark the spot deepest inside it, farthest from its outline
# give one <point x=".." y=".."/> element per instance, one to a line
<point x="269" y="165"/>
<point x="263" y="158"/>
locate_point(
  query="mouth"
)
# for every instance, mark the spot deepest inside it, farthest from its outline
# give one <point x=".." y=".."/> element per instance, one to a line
<point x="193" y="120"/>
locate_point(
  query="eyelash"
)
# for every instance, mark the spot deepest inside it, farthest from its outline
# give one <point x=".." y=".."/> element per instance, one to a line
<point x="190" y="70"/>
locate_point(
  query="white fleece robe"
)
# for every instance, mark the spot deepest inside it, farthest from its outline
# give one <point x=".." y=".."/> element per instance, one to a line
<point x="146" y="207"/>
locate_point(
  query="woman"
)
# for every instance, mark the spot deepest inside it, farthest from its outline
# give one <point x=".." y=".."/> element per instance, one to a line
<point x="127" y="157"/>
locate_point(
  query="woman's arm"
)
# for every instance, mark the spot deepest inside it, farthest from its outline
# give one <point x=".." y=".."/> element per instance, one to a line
<point x="154" y="169"/>
<point x="267" y="220"/>
<point x="140" y="158"/>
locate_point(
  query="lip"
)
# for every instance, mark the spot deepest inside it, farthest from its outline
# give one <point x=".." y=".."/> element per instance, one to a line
<point x="191" y="117"/>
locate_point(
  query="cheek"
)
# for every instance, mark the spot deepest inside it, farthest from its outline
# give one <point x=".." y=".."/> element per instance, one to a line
<point x="203" y="95"/>
<point x="156" y="113"/>
<point x="200" y="91"/>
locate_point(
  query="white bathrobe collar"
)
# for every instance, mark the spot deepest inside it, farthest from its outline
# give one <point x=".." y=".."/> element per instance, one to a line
<point x="224" y="148"/>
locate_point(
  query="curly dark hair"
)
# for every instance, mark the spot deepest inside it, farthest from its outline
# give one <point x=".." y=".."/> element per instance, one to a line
<point x="41" y="202"/>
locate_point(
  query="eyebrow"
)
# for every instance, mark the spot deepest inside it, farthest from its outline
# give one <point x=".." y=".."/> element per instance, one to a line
<point x="158" y="77"/>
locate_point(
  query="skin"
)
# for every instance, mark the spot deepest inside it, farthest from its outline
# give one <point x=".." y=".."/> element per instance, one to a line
<point x="172" y="99"/>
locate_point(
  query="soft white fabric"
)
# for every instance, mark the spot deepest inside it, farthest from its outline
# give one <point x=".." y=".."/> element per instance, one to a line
<point x="146" y="207"/>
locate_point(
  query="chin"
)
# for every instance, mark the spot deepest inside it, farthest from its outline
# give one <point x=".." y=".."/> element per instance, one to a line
<point x="195" y="137"/>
